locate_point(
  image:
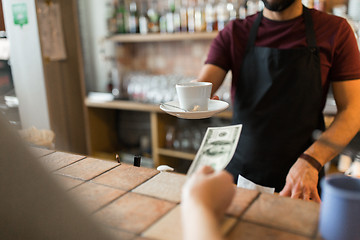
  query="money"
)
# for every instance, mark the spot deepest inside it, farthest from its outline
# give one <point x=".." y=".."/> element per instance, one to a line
<point x="217" y="148"/>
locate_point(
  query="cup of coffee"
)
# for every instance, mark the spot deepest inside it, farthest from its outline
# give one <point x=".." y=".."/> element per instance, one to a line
<point x="340" y="208"/>
<point x="194" y="96"/>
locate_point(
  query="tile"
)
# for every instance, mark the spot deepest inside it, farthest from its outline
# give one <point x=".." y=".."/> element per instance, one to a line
<point x="164" y="186"/>
<point x="241" y="201"/>
<point x="39" y="152"/>
<point x="133" y="212"/>
<point x="118" y="234"/>
<point x="169" y="226"/>
<point x="294" y="215"/>
<point x="67" y="182"/>
<point x="125" y="176"/>
<point x="250" y="231"/>
<point x="59" y="160"/>
<point x="93" y="196"/>
<point x="87" y="168"/>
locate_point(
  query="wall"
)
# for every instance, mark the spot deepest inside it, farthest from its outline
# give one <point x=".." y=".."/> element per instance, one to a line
<point x="177" y="57"/>
<point x="92" y="16"/>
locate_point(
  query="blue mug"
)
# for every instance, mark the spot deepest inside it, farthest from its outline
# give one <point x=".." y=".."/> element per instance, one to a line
<point x="340" y="208"/>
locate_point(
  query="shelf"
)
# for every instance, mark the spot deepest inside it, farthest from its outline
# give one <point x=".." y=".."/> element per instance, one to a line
<point x="162" y="37"/>
<point x="176" y="154"/>
<point x="123" y="105"/>
<point x="137" y="106"/>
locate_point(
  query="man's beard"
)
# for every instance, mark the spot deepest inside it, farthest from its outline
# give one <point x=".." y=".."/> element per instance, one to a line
<point x="278" y="5"/>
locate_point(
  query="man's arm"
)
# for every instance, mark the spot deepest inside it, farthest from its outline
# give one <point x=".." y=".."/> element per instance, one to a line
<point x="213" y="74"/>
<point x="302" y="178"/>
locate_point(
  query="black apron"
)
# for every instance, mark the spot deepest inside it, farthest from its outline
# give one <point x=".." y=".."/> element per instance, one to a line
<point x="278" y="100"/>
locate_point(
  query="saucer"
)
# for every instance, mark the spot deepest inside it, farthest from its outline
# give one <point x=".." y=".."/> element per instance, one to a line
<point x="214" y="106"/>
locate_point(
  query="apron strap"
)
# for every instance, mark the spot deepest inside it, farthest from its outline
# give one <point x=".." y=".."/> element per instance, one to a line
<point x="309" y="30"/>
<point x="253" y="32"/>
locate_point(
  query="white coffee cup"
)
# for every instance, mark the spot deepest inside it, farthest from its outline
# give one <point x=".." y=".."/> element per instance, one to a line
<point x="194" y="96"/>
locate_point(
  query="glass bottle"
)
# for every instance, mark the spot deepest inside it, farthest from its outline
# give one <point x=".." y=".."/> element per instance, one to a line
<point x="133" y="18"/>
<point x="153" y="15"/>
<point x="143" y="19"/>
<point x="252" y="6"/>
<point x="232" y="7"/>
<point x="242" y="10"/>
<point x="111" y="17"/>
<point x="191" y="16"/>
<point x="170" y="137"/>
<point x="199" y="17"/>
<point x="109" y="85"/>
<point x="162" y="22"/>
<point x="183" y="16"/>
<point x="120" y="17"/>
<point x="210" y="16"/>
<point x="222" y="14"/>
<point x="170" y="16"/>
<point x="177" y="19"/>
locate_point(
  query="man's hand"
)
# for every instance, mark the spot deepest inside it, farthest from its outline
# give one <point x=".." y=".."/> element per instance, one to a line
<point x="301" y="182"/>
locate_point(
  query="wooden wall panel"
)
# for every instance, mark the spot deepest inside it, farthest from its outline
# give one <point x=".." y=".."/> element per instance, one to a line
<point x="2" y="23"/>
<point x="65" y="87"/>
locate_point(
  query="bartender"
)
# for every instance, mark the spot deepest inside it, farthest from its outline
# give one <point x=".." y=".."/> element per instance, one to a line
<point x="283" y="61"/>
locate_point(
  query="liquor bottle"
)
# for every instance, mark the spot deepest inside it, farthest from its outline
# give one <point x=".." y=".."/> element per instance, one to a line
<point x="143" y="19"/>
<point x="120" y="17"/>
<point x="242" y="10"/>
<point x="133" y="18"/>
<point x="191" y="16"/>
<point x="183" y="16"/>
<point x="252" y="6"/>
<point x="111" y="17"/>
<point x="210" y="16"/>
<point x="170" y="16"/>
<point x="177" y="19"/>
<point x="162" y="22"/>
<point x="222" y="14"/>
<point x="232" y="7"/>
<point x="169" y="22"/>
<point x="109" y="85"/>
<point x="153" y="15"/>
<point x="199" y="16"/>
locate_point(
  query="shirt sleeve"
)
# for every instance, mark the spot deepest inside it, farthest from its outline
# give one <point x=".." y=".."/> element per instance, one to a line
<point x="346" y="61"/>
<point x="219" y="53"/>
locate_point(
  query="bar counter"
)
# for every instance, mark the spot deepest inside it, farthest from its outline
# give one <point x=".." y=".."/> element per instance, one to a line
<point x="142" y="203"/>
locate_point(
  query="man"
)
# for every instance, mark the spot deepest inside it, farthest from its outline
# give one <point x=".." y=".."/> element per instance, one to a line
<point x="283" y="61"/>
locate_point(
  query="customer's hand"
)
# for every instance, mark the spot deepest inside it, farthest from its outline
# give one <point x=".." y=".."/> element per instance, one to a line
<point x="210" y="190"/>
<point x="205" y="197"/>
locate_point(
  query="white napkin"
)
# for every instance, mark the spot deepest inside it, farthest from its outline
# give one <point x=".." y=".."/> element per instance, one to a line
<point x="245" y="183"/>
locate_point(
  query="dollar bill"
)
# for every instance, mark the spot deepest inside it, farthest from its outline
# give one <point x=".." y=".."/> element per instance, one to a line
<point x="217" y="148"/>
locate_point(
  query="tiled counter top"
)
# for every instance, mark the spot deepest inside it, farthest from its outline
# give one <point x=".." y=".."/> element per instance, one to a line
<point x="141" y="203"/>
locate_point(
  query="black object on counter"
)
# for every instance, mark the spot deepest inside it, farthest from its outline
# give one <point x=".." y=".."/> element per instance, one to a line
<point x="137" y="160"/>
